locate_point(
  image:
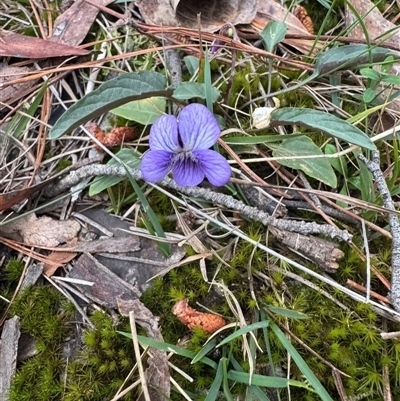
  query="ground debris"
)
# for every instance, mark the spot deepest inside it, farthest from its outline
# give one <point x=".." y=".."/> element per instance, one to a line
<point x="23" y="46"/>
<point x="106" y="287"/>
<point x="157" y="372"/>
<point x="115" y="137"/>
<point x="73" y="25"/>
<point x="33" y="272"/>
<point x="139" y="259"/>
<point x="42" y="231"/>
<point x="129" y="243"/>
<point x="322" y="252"/>
<point x="8" y="354"/>
<point x="9" y="73"/>
<point x="184" y="12"/>
<point x="262" y="202"/>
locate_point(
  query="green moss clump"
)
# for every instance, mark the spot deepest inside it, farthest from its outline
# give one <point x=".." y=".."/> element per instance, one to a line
<point x="63" y="164"/>
<point x="104" y="363"/>
<point x="14" y="269"/>
<point x="44" y="316"/>
<point x="95" y="374"/>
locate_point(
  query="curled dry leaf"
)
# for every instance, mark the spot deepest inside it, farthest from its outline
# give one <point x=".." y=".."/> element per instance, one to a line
<point x="116" y="137"/>
<point x="55" y="260"/>
<point x="262" y="115"/>
<point x="192" y="318"/>
<point x="213" y="13"/>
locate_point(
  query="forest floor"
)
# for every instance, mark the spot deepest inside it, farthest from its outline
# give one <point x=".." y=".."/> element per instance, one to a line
<point x="199" y="200"/>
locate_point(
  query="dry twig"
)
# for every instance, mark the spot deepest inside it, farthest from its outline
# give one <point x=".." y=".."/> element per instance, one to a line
<point x="253" y="213"/>
<point x="373" y="166"/>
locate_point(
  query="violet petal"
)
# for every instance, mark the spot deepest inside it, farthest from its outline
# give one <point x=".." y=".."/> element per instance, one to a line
<point x="187" y="172"/>
<point x="215" y="167"/>
<point x="198" y="128"/>
<point x="155" y="165"/>
<point x="164" y="134"/>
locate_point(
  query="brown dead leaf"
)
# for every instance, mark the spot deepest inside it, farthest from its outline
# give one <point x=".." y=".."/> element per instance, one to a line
<point x="9" y="199"/>
<point x="72" y="26"/>
<point x="214" y="13"/>
<point x="377" y="25"/>
<point x="271" y="10"/>
<point x="9" y="73"/>
<point x="157" y="12"/>
<point x="42" y="231"/>
<point x="378" y="28"/>
<point x="16" y="45"/>
<point x="55" y="260"/>
<point x="192" y="318"/>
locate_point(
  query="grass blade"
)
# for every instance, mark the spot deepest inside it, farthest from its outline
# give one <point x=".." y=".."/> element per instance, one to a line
<point x="244" y="330"/>
<point x="213" y="392"/>
<point x="301" y="364"/>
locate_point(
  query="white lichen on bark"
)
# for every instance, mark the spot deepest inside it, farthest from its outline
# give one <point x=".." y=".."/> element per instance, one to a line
<point x="373" y="166"/>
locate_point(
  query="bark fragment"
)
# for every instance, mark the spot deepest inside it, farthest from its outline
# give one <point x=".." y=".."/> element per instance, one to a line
<point x="8" y="354"/>
<point x="322" y="252"/>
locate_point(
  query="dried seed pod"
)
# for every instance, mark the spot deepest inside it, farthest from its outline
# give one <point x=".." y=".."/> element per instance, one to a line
<point x="113" y="138"/>
<point x="301" y="13"/>
<point x="96" y="131"/>
<point x="192" y="318"/>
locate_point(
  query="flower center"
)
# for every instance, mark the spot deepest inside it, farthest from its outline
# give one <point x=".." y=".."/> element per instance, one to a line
<point x="184" y="155"/>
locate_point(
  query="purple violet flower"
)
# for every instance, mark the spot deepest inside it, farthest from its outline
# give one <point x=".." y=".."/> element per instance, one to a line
<point x="183" y="146"/>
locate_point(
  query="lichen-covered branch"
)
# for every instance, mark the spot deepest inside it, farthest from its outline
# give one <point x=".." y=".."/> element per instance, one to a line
<point x="373" y="166"/>
<point x="301" y="227"/>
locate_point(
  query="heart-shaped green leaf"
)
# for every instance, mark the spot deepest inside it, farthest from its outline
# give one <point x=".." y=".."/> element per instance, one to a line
<point x="190" y="90"/>
<point x="144" y="111"/>
<point x="273" y="34"/>
<point x="298" y="147"/>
